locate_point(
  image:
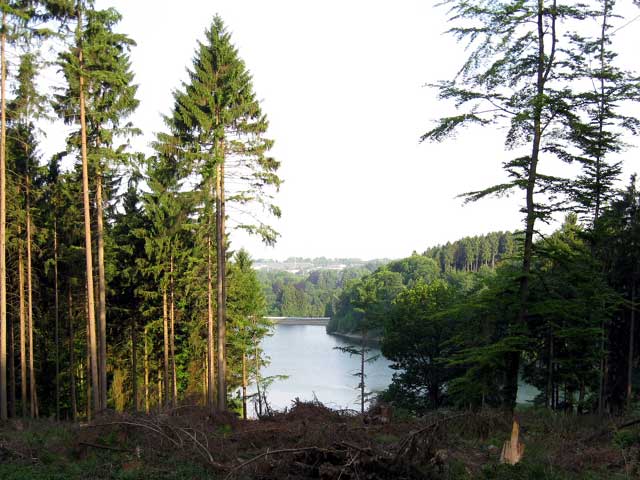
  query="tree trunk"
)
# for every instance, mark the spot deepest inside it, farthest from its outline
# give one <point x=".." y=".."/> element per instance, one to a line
<point x="90" y="378"/>
<point x="259" y="393"/>
<point x="32" y="375"/>
<point x="57" y="315"/>
<point x="165" y="324"/>
<point x="146" y="372"/>
<point x="543" y="69"/>
<point x="632" y="333"/>
<point x="12" y="368"/>
<point x="210" y="338"/>
<point x="363" y="353"/>
<point x="173" y="335"/>
<point x="134" y="366"/>
<point x="3" y="224"/>
<point x="93" y="345"/>
<point x="102" y="292"/>
<point x="159" y="390"/>
<point x="221" y="252"/>
<point x="244" y="384"/>
<point x="23" y="329"/>
<point x="72" y="358"/>
<point x="548" y="397"/>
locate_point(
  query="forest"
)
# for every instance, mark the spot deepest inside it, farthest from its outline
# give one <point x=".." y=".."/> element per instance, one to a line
<point x="124" y="303"/>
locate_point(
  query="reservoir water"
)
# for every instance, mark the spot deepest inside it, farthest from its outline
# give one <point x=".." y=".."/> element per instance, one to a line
<point x="306" y="354"/>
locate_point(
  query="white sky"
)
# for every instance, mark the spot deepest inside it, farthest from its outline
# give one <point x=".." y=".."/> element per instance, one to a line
<point x="342" y="85"/>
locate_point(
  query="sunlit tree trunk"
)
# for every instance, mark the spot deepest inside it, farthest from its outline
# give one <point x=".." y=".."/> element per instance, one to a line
<point x="3" y="224"/>
<point x="102" y="293"/>
<point x="172" y="315"/>
<point x="32" y="375"/>
<point x="165" y="323"/>
<point x="92" y="340"/>
<point x="23" y="329"/>
<point x="134" y="366"/>
<point x="221" y="252"/>
<point x="244" y="384"/>
<point x="210" y="341"/>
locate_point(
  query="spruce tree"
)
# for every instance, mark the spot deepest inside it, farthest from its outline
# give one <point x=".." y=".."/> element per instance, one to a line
<point x="219" y="127"/>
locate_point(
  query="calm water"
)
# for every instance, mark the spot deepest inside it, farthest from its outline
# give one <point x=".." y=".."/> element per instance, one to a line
<point x="305" y="353"/>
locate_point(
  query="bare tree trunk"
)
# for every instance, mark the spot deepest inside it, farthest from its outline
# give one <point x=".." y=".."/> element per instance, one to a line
<point x="23" y="329"/>
<point x="159" y="390"/>
<point x="221" y="252"/>
<point x="32" y="373"/>
<point x="72" y="358"/>
<point x="146" y="371"/>
<point x="259" y="394"/>
<point x="548" y="396"/>
<point x="12" y="368"/>
<point x="543" y="67"/>
<point x="90" y="379"/>
<point x="3" y="224"/>
<point x="134" y="365"/>
<point x="165" y="323"/>
<point x="363" y="353"/>
<point x="102" y="292"/>
<point x="632" y="333"/>
<point x="93" y="345"/>
<point x="172" y="316"/>
<point x="244" y="384"/>
<point x="210" y="340"/>
<point x="57" y="315"/>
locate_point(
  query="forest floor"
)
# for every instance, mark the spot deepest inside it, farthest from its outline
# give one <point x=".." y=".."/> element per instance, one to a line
<point x="311" y="441"/>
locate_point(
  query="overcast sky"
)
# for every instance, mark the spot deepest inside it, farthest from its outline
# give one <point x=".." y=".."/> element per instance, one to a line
<point x="342" y="83"/>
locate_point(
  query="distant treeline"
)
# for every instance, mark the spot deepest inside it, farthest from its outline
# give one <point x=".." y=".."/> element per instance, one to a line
<point x="470" y="253"/>
<point x="307" y="295"/>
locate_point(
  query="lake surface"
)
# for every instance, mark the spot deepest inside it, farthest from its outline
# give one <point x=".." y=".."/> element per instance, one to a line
<point x="306" y="354"/>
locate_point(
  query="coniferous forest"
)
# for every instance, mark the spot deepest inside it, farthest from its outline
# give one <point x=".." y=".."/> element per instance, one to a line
<point x="131" y="328"/>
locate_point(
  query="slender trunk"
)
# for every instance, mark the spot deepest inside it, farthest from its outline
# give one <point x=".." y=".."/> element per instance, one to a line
<point x="257" y="350"/>
<point x="549" y="373"/>
<point x="244" y="384"/>
<point x="221" y="252"/>
<point x="12" y="367"/>
<point x="159" y="390"/>
<point x="102" y="292"/>
<point x="602" y="372"/>
<point x="57" y="315"/>
<point x="146" y="371"/>
<point x="72" y="358"/>
<point x="3" y="224"/>
<point x="601" y="113"/>
<point x="23" y="329"/>
<point x="632" y="333"/>
<point x="90" y="378"/>
<point x="165" y="324"/>
<point x="210" y="328"/>
<point x="32" y="375"/>
<point x="543" y="70"/>
<point x="172" y="317"/>
<point x="93" y="345"/>
<point x="134" y="365"/>
<point x="363" y="353"/>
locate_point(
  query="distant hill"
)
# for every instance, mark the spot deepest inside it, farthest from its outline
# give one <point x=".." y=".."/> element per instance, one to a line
<point x="303" y="266"/>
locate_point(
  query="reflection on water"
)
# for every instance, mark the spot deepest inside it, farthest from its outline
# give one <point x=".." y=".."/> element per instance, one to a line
<point x="306" y="355"/>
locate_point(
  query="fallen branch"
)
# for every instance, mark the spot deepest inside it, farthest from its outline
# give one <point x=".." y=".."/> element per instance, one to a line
<point x="409" y="439"/>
